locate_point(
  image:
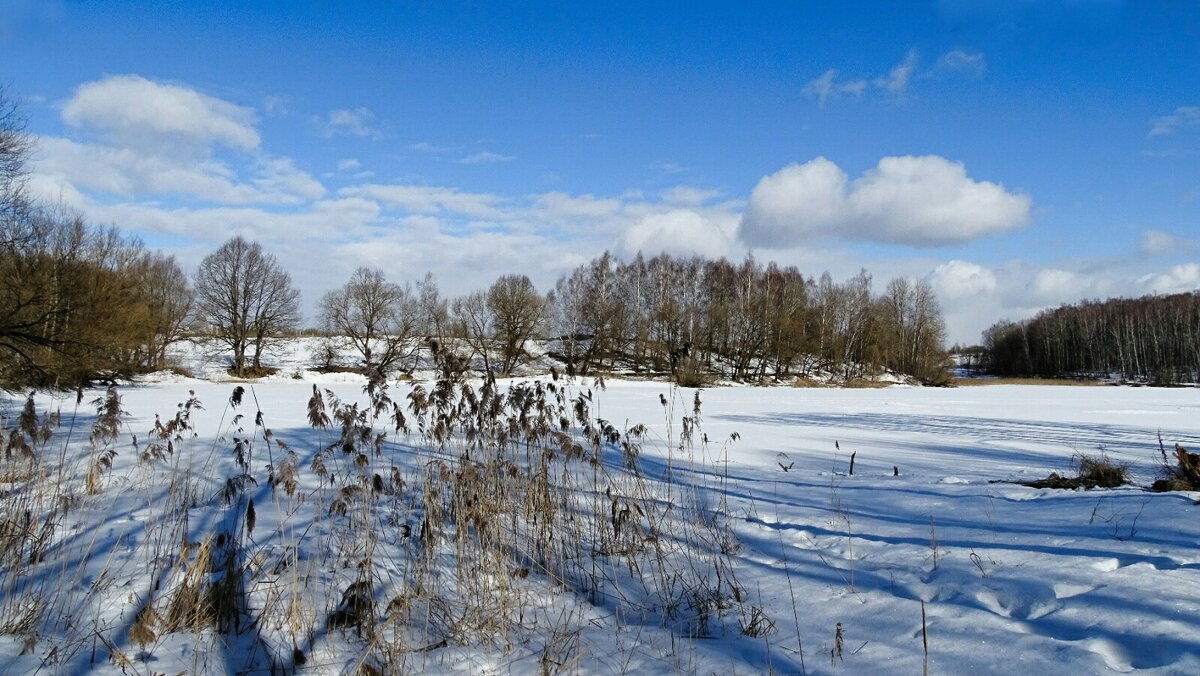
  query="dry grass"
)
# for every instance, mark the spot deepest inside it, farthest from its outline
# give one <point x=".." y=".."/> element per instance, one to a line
<point x="253" y="372"/>
<point x="975" y="382"/>
<point x="849" y="383"/>
<point x="1091" y="472"/>
<point x="458" y="516"/>
<point x="864" y="384"/>
<point x="1184" y="475"/>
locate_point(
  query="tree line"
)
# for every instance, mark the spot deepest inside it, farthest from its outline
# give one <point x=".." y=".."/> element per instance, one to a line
<point x="78" y="302"/>
<point x="75" y="300"/>
<point x="690" y="318"/>
<point x="1151" y="339"/>
<point x="747" y="321"/>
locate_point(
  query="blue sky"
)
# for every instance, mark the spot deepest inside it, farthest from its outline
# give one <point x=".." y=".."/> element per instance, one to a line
<point x="1016" y="154"/>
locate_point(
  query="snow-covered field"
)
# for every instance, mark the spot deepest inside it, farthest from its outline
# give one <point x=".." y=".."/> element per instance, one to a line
<point x="1004" y="578"/>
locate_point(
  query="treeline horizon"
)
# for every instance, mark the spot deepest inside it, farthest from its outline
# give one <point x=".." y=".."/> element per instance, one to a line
<point x="80" y="303"/>
<point x="1150" y="339"/>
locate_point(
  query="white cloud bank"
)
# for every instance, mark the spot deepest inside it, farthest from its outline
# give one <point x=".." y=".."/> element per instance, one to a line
<point x="920" y="201"/>
<point x="681" y="232"/>
<point x="150" y="138"/>
<point x="1178" y="279"/>
<point x="132" y="110"/>
<point x="955" y="280"/>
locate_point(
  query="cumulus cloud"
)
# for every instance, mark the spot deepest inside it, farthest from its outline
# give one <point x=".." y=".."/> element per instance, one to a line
<point x="682" y="232"/>
<point x="133" y="110"/>
<point x="957" y="279"/>
<point x="153" y="139"/>
<point x="1178" y="279"/>
<point x="826" y="87"/>
<point x="1183" y="117"/>
<point x="920" y="201"/>
<point x="1053" y="285"/>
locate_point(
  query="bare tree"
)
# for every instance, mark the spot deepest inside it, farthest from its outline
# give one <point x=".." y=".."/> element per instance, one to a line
<point x="567" y="309"/>
<point x="379" y="318"/>
<point x="518" y="313"/>
<point x="434" y="309"/>
<point x="473" y="322"/>
<point x="15" y="146"/>
<point x="246" y="298"/>
<point x="911" y="330"/>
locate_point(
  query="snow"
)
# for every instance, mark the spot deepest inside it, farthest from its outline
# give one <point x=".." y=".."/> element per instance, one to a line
<point x="1010" y="579"/>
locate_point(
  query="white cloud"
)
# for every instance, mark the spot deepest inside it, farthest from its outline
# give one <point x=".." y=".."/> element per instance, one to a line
<point x="1179" y="279"/>
<point x="896" y="81"/>
<point x="487" y="158"/>
<point x="1183" y="117"/>
<point x="428" y="199"/>
<point x="274" y="105"/>
<point x="559" y="207"/>
<point x="960" y="61"/>
<point x="280" y="176"/>
<point x="680" y="232"/>
<point x="1055" y="286"/>
<point x="324" y="220"/>
<point x="664" y="167"/>
<point x="919" y="201"/>
<point x="132" y="110"/>
<point x="428" y="148"/>
<point x="356" y="122"/>
<point x="955" y="280"/>
<point x="350" y="164"/>
<point x="132" y="172"/>
<point x="153" y="139"/>
<point x="53" y="190"/>
<point x="1155" y="242"/>
<point x="826" y="87"/>
<point x="688" y="196"/>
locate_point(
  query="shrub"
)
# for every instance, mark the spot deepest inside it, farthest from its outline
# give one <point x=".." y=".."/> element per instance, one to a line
<point x="1091" y="472"/>
<point x="1184" y="476"/>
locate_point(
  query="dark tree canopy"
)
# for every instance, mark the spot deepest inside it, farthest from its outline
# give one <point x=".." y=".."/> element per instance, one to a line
<point x="1153" y="338"/>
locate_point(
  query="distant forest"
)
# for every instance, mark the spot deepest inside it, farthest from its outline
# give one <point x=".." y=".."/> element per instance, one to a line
<point x="1152" y="339"/>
